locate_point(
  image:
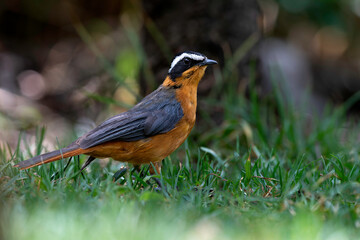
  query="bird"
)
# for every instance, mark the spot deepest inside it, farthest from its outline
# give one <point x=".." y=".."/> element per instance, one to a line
<point x="151" y="130"/>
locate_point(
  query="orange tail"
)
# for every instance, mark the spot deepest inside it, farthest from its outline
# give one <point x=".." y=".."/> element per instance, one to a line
<point x="69" y="151"/>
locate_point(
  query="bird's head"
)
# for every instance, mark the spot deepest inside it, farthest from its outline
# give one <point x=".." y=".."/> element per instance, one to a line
<point x="187" y="68"/>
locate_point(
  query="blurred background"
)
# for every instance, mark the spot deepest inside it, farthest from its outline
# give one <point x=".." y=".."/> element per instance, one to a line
<point x="68" y="65"/>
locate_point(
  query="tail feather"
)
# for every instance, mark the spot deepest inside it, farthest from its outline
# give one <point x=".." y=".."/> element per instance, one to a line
<point x="69" y="151"/>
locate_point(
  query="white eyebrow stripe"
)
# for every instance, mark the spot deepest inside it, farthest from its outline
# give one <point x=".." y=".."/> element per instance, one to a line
<point x="184" y="55"/>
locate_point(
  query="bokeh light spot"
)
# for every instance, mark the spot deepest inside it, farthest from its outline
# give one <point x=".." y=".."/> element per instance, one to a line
<point x="31" y="84"/>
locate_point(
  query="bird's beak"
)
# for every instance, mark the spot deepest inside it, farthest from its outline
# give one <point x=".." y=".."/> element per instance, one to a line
<point x="208" y="62"/>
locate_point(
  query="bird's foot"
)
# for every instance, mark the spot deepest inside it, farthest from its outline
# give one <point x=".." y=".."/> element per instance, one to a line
<point x="119" y="174"/>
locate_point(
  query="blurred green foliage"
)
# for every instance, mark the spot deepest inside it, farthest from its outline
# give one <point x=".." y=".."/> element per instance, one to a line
<point x="322" y="12"/>
<point x="127" y="64"/>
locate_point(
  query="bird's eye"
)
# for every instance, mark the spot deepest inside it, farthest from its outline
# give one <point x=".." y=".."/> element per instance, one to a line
<point x="186" y="61"/>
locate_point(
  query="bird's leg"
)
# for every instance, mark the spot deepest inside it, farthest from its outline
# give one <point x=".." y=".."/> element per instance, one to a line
<point x="56" y="174"/>
<point x="142" y="171"/>
<point x="137" y="167"/>
<point x="88" y="161"/>
<point x="156" y="168"/>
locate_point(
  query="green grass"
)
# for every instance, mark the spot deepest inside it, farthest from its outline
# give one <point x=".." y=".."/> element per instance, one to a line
<point x="267" y="172"/>
<point x="263" y="174"/>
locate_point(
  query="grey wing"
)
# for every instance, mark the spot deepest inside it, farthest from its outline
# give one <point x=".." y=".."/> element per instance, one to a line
<point x="127" y="126"/>
<point x="133" y="126"/>
<point x="163" y="120"/>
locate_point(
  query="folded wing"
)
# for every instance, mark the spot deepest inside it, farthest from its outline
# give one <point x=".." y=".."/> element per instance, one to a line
<point x="136" y="124"/>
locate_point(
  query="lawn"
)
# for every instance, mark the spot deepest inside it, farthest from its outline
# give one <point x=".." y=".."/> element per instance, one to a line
<point x="269" y="171"/>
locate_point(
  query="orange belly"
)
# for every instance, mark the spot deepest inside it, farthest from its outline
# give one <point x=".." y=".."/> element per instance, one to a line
<point x="152" y="149"/>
